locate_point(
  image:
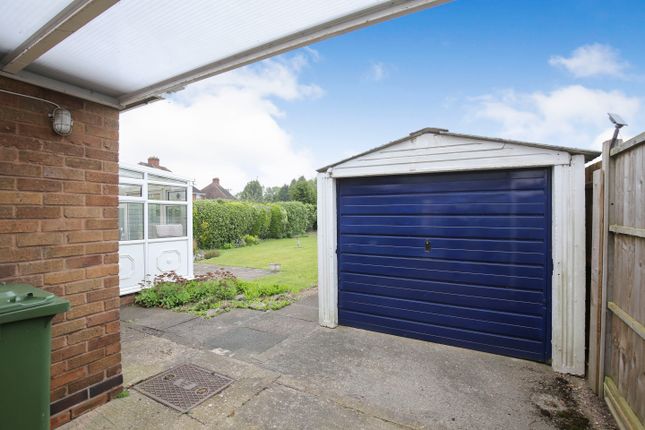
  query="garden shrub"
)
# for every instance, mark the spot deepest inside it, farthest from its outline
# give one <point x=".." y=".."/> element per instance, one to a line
<point x="216" y="222"/>
<point x="297" y="216"/>
<point x="279" y="220"/>
<point x="261" y="221"/>
<point x="225" y="225"/>
<point x="312" y="217"/>
<point x="249" y="240"/>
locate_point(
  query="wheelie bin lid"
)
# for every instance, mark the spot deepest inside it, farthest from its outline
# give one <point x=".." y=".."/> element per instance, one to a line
<point x="21" y="302"/>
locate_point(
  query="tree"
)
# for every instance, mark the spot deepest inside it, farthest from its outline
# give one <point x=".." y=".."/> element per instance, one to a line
<point x="303" y="191"/>
<point x="252" y="192"/>
<point x="283" y="194"/>
<point x="271" y="194"/>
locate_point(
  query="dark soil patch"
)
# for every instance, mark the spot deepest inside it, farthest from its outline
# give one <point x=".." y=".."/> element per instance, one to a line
<point x="556" y="402"/>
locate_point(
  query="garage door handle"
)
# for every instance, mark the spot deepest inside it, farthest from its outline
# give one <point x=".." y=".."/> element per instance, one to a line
<point x="428" y="246"/>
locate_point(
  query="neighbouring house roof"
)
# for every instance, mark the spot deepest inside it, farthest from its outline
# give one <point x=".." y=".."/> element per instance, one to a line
<point x="588" y="154"/>
<point x="197" y="191"/>
<point x="154" y="163"/>
<point x="215" y="191"/>
<point x="127" y="53"/>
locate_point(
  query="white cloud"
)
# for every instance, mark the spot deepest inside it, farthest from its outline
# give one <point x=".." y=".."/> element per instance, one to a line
<point x="226" y="127"/>
<point x="592" y="60"/>
<point x="568" y="116"/>
<point x="376" y="72"/>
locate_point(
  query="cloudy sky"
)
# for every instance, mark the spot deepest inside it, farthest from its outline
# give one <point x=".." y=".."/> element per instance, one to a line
<point x="545" y="71"/>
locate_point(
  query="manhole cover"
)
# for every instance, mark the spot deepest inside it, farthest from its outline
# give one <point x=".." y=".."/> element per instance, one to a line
<point x="183" y="387"/>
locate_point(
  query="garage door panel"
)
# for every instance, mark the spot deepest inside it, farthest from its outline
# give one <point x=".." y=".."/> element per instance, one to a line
<point x="474" y="318"/>
<point x="463" y="266"/>
<point x="421" y="208"/>
<point x="460" y="221"/>
<point x="432" y="232"/>
<point x="378" y="186"/>
<point x="453" y="320"/>
<point x="446" y="254"/>
<point x="523" y="283"/>
<point x="453" y="299"/>
<point x="489" y="245"/>
<point x="504" y="298"/>
<point x="457" y="335"/>
<point x="517" y="196"/>
<point x="384" y="326"/>
<point x="483" y="280"/>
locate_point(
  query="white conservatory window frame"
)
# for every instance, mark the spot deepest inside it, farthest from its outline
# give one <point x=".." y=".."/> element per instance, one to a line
<point x="144" y="182"/>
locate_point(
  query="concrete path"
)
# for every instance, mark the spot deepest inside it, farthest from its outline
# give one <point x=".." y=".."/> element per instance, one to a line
<point x="240" y="272"/>
<point x="291" y="373"/>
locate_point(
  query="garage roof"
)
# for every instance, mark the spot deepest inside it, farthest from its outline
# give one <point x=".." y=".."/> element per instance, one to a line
<point x="128" y="52"/>
<point x="588" y="154"/>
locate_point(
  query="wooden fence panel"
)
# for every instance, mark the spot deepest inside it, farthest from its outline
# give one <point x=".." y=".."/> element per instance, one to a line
<point x="595" y="283"/>
<point x="623" y="283"/>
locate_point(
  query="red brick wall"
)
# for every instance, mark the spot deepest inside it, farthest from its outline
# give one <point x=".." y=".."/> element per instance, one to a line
<point x="59" y="231"/>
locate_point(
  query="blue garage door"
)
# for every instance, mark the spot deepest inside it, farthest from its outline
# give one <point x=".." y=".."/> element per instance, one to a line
<point x="458" y="258"/>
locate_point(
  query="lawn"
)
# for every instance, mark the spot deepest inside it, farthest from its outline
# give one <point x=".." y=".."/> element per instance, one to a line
<point x="299" y="263"/>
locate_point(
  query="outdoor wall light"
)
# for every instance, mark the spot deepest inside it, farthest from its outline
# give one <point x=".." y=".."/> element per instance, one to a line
<point x="61" y="118"/>
<point x="61" y="121"/>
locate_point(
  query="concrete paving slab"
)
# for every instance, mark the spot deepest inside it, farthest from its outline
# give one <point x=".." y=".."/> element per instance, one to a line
<point x="130" y="333"/>
<point x="303" y="312"/>
<point x="243" y="341"/>
<point x="310" y="300"/>
<point x="197" y="332"/>
<point x="159" y="319"/>
<point x="283" y="325"/>
<point x="413" y="383"/>
<point x="150" y="355"/>
<point x="134" y="412"/>
<point x="281" y="407"/>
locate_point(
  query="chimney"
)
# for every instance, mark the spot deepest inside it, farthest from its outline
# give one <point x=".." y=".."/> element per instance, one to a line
<point x="216" y="181"/>
<point x="153" y="161"/>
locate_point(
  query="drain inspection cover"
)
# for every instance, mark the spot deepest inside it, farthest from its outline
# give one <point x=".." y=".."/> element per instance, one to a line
<point x="183" y="387"/>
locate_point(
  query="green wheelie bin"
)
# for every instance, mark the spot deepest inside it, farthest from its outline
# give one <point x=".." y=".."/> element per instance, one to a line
<point x="25" y="355"/>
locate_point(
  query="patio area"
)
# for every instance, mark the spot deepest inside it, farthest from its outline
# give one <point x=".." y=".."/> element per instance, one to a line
<point x="290" y="373"/>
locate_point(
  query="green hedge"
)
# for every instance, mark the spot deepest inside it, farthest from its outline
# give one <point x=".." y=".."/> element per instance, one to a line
<point x="216" y="222"/>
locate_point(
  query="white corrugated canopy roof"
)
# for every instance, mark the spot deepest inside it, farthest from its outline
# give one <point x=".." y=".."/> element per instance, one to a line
<point x="128" y="52"/>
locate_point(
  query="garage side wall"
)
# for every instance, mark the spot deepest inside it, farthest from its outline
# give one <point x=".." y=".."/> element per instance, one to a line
<point x="59" y="232"/>
<point x="568" y="282"/>
<point x="327" y="258"/>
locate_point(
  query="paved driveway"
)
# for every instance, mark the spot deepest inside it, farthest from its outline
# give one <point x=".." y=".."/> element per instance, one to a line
<point x="292" y="374"/>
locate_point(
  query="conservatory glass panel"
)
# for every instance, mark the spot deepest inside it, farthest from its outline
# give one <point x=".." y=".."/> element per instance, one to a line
<point x="126" y="173"/>
<point x="167" y="192"/>
<point x="129" y="190"/>
<point x="130" y="221"/>
<point x="166" y="221"/>
<point x="164" y="179"/>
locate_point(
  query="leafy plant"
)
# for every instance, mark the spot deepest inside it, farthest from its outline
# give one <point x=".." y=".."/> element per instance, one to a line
<point x="216" y="290"/>
<point x="249" y="239"/>
<point x="122" y="395"/>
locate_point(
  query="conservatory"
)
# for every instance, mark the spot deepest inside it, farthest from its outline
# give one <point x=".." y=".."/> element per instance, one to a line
<point x="155" y="226"/>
